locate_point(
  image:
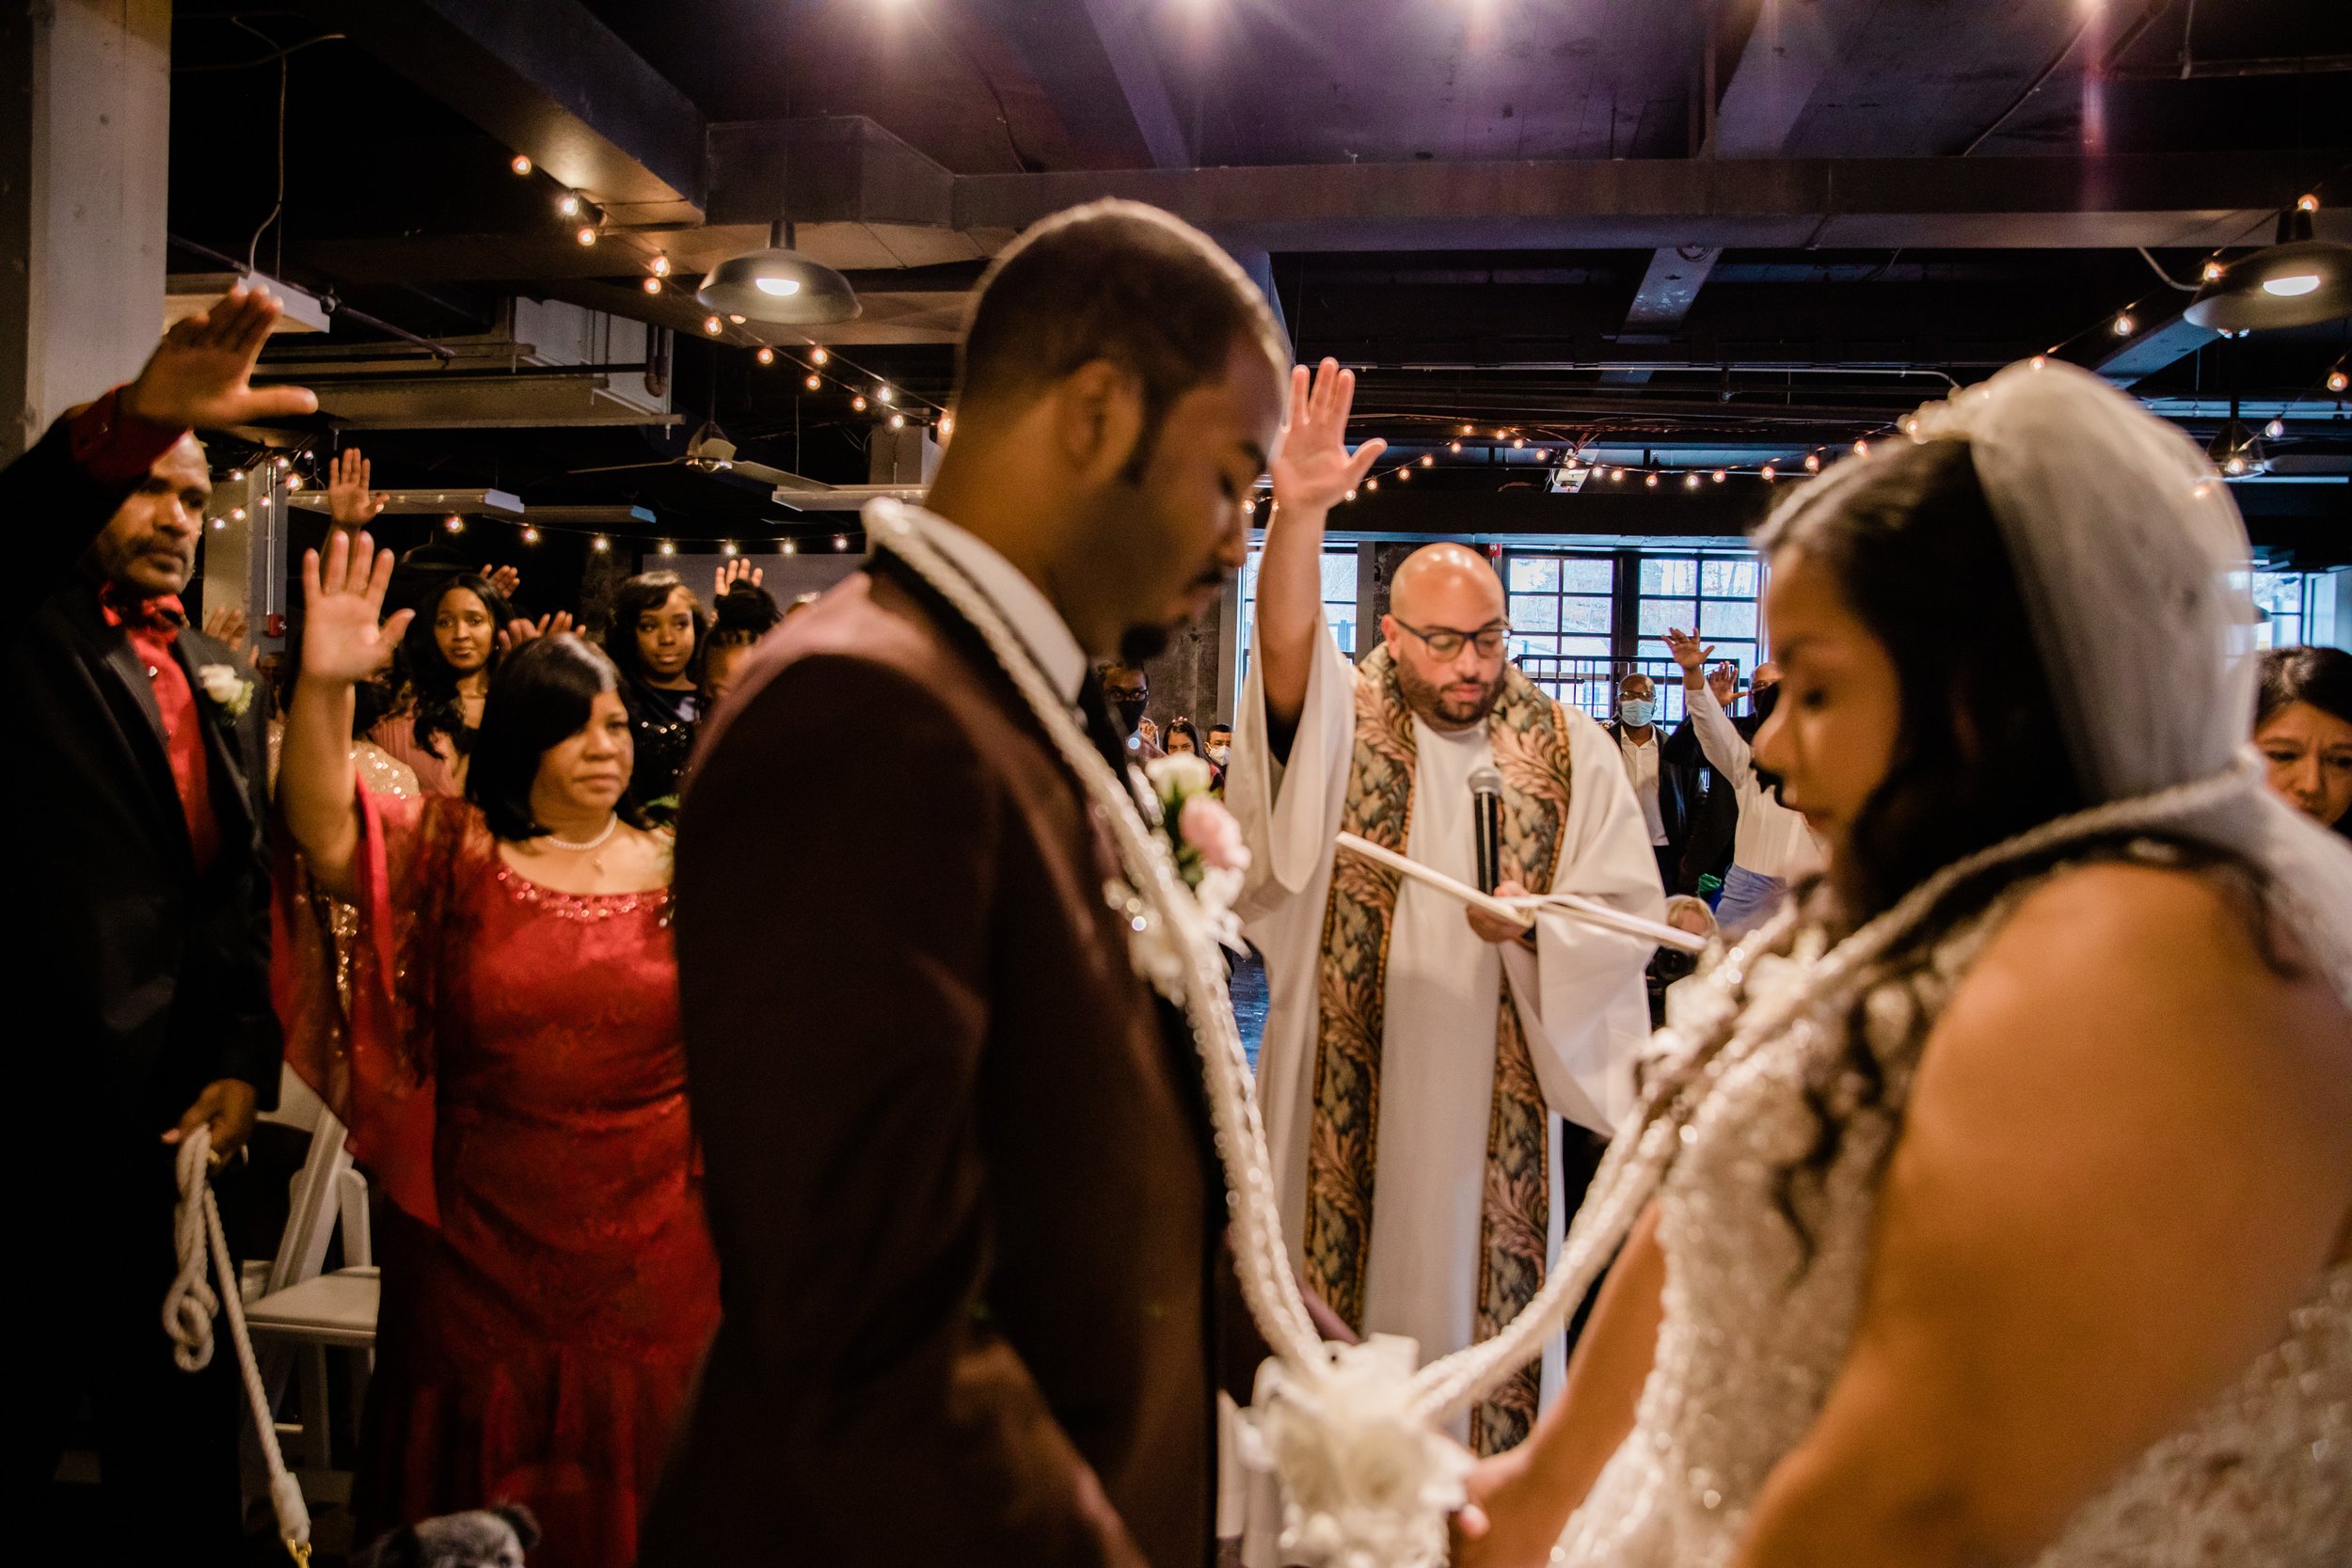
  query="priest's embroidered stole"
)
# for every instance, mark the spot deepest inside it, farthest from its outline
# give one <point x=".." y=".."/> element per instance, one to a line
<point x="1531" y="743"/>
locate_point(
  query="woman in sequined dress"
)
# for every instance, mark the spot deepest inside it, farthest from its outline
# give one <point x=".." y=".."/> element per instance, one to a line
<point x="2003" y="1191"/>
<point x="511" y="1068"/>
<point x="656" y="640"/>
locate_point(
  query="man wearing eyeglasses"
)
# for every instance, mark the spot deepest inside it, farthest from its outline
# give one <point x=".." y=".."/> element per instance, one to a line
<point x="1437" y="1082"/>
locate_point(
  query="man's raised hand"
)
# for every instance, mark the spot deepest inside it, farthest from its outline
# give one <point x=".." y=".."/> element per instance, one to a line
<point x="350" y="503"/>
<point x="733" y="572"/>
<point x="1687" y="652"/>
<point x="1312" y="469"/>
<point x="342" y="642"/>
<point x="198" y="376"/>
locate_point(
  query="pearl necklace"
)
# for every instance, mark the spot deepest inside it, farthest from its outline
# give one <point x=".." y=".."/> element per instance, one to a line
<point x="596" y="863"/>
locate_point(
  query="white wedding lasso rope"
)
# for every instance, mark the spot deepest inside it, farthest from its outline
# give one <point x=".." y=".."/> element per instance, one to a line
<point x="1352" y="1431"/>
<point x="188" y="1308"/>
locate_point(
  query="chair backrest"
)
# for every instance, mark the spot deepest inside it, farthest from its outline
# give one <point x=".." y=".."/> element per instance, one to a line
<point x="322" y="1190"/>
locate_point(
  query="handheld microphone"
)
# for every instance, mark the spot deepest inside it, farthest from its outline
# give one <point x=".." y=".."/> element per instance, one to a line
<point x="1487" y="821"/>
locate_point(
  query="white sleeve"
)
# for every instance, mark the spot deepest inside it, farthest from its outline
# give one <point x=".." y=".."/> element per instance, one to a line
<point x="1719" y="737"/>
<point x="1290" y="811"/>
<point x="1580" y="994"/>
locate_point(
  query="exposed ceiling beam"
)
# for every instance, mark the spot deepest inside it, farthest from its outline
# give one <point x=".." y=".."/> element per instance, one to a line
<point x="552" y="80"/>
<point x="1091" y="62"/>
<point x="1122" y="27"/>
<point x="2186" y="200"/>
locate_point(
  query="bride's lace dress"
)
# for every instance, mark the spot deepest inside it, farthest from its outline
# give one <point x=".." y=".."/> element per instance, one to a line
<point x="1756" y="1328"/>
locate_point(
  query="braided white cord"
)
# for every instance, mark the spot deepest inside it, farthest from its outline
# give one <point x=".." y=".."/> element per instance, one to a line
<point x="188" y="1308"/>
<point x="1262" y="1262"/>
<point x="1621" y="1188"/>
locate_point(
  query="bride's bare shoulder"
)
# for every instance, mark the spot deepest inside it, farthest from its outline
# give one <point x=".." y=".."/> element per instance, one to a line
<point x="2136" y="956"/>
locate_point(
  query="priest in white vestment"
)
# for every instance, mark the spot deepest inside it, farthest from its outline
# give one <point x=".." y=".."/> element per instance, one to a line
<point x="1419" y="1059"/>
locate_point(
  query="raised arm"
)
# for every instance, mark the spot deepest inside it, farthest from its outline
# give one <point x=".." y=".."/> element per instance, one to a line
<point x="342" y="644"/>
<point x="1719" y="738"/>
<point x="1312" y="470"/>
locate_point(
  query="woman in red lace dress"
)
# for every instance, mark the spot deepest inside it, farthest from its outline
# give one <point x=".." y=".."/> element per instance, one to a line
<point x="511" y="1068"/>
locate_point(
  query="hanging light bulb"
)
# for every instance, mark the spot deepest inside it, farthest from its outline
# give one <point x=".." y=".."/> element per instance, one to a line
<point x="818" y="356"/>
<point x="1650" y="478"/>
<point x="569" y="204"/>
<point x="776" y="283"/>
<point x="453" y="523"/>
<point x="283" y="464"/>
<point x="858" y="402"/>
<point x="765" y="354"/>
<point x="219" y="523"/>
<point x="600" y="543"/>
<point x="236" y="476"/>
<point x="1690" y="480"/>
<point x="293" y="482"/>
<point x="2338" y="380"/>
<point x="520" y="163"/>
<point x="727" y="548"/>
<point x="2210" y="272"/>
<point x="652" y="285"/>
<point x="585" y="234"/>
<point x="2276" y="428"/>
<point x="1468" y="430"/>
<point x="840" y="541"/>
<point x="1861" y="448"/>
<point x="1455" y="447"/>
<point x="237" y="513"/>
<point x="883" y="393"/>
<point x="1518" y="442"/>
<point x="1720" y="475"/>
<point x="1813" y="462"/>
<point x="790" y="548"/>
<point x="1405" y="473"/>
<point x="710" y="324"/>
<point x="1427" y="461"/>
<point x="1769" y="474"/>
<point x="2307" y="204"/>
<point x="2123" y="325"/>
<point x="660" y="265"/>
<point x="1351" y="494"/>
<point x="897" y="422"/>
<point x="668" y="548"/>
<point x="813" y="381"/>
<point x="530" y="536"/>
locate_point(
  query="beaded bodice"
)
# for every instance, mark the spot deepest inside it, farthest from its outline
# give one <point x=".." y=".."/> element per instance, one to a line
<point x="1759" y="1319"/>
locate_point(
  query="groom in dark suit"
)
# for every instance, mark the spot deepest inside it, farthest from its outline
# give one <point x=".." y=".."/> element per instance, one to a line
<point x="968" y="1215"/>
<point x="140" y="965"/>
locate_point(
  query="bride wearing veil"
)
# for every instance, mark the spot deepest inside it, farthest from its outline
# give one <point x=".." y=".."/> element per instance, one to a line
<point x="2006" y="1213"/>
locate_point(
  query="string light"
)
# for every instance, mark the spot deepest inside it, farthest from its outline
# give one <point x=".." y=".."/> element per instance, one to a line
<point x="790" y="548"/>
<point x="883" y="393"/>
<point x="2307" y="204"/>
<point x="858" y="402"/>
<point x="453" y="523"/>
<point x="1543" y="454"/>
<point x="1813" y="462"/>
<point x="737" y="320"/>
<point x="818" y="355"/>
<point x="1771" y="473"/>
<point x="2276" y="428"/>
<point x="660" y="265"/>
<point x="946" y="426"/>
<point x="530" y="536"/>
<point x="710" y="324"/>
<point x="2212" y="271"/>
<point x="765" y="354"/>
<point x="1455" y="447"/>
<point x="1650" y="478"/>
<point x="814" y="381"/>
<point x="1468" y="431"/>
<point x="1501" y="434"/>
<point x="840" y="541"/>
<point x="569" y="204"/>
<point x="283" y="464"/>
<point x="219" y="523"/>
<point x="1351" y="494"/>
<point x="668" y="548"/>
<point x="293" y="482"/>
<point x="600" y="543"/>
<point x="727" y="548"/>
<point x="1519" y="443"/>
<point x="236" y="476"/>
<point x="1720" y="475"/>
<point x="1373" y="484"/>
<point x="2338" y="380"/>
<point x="1427" y="461"/>
<point x="652" y="285"/>
<point x="1861" y="448"/>
<point x="1690" y="480"/>
<point x="237" y="513"/>
<point x="585" y="234"/>
<point x="897" y="422"/>
<point x="2123" y="325"/>
<point x="520" y="163"/>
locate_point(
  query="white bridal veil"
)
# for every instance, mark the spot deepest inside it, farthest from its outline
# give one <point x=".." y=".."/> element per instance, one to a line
<point x="2133" y="567"/>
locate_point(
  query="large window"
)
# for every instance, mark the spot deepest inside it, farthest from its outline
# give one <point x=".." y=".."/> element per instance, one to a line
<point x="1581" y="623"/>
<point x="1339" y="601"/>
<point x="2288" y="603"/>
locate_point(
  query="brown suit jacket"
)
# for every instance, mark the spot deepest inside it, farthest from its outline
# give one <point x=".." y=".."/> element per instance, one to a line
<point x="958" y="1167"/>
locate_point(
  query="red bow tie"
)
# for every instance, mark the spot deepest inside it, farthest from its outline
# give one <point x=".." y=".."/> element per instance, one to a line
<point x="161" y="614"/>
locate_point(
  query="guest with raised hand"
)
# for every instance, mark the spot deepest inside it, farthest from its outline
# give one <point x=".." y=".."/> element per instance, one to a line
<point x="447" y="658"/>
<point x="352" y="501"/>
<point x="742" y="613"/>
<point x="1774" y="849"/>
<point x="141" y="975"/>
<point x="511" y="1068"/>
<point x="656" y="640"/>
<point x="2303" y="729"/>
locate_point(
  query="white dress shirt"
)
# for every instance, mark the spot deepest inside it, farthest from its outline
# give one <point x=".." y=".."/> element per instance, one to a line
<point x="1021" y="602"/>
<point x="1640" y="770"/>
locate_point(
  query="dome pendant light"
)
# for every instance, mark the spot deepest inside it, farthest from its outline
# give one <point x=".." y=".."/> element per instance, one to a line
<point x="778" y="286"/>
<point x="2297" y="281"/>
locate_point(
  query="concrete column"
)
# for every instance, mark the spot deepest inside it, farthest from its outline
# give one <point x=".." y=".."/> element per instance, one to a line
<point x="84" y="159"/>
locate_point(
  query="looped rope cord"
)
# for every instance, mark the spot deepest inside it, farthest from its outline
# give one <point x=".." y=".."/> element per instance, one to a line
<point x="188" y="1308"/>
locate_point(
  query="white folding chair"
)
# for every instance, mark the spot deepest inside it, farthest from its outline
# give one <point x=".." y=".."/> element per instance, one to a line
<point x="297" y="1312"/>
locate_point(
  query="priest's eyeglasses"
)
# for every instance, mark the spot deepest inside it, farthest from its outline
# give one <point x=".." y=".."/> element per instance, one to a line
<point x="1446" y="642"/>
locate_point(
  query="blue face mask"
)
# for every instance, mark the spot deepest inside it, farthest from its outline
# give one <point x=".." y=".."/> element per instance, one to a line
<point x="1637" y="712"/>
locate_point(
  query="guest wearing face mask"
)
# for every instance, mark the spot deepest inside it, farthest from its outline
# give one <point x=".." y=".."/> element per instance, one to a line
<point x="1221" y="747"/>
<point x="1657" y="788"/>
<point x="1775" y="847"/>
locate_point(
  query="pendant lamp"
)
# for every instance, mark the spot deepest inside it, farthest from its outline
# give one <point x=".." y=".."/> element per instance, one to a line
<point x="2296" y="281"/>
<point x="778" y="286"/>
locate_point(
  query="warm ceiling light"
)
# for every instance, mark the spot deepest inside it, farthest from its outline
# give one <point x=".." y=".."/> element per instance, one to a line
<point x="668" y="548"/>
<point x="778" y="284"/>
<point x="765" y="354"/>
<point x="453" y="523"/>
<point x="2296" y="282"/>
<point x="652" y="285"/>
<point x="1453" y="445"/>
<point x="569" y="204"/>
<point x="1813" y="462"/>
<point x="1650" y="478"/>
<point x="858" y="402"/>
<point x="1427" y="461"/>
<point x="883" y="394"/>
<point x="1690" y="482"/>
<point x="530" y="536"/>
<point x="1373" y="484"/>
<point x="600" y="543"/>
<point x="2338" y="380"/>
<point x="2274" y="429"/>
<point x="520" y="163"/>
<point x="712" y="325"/>
<point x="1719" y="476"/>
<point x="1769" y="474"/>
<point x="2210" y="272"/>
<point x="585" y="234"/>
<point x="2123" y="325"/>
<point x="813" y="382"/>
<point x="2307" y="204"/>
<point x="660" y="266"/>
<point x="897" y="422"/>
<point x="818" y="355"/>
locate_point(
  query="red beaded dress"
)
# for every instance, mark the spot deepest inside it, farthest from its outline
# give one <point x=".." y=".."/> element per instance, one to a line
<point x="511" y="1068"/>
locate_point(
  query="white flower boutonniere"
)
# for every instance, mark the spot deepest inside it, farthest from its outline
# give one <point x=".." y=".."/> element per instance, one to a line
<point x="228" y="690"/>
<point x="1206" y="843"/>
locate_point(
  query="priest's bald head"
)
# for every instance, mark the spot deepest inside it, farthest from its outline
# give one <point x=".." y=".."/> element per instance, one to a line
<point x="1445" y="629"/>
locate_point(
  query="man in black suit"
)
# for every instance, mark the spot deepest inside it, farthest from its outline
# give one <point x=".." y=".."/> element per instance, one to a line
<point x="959" y="1175"/>
<point x="143" y="963"/>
